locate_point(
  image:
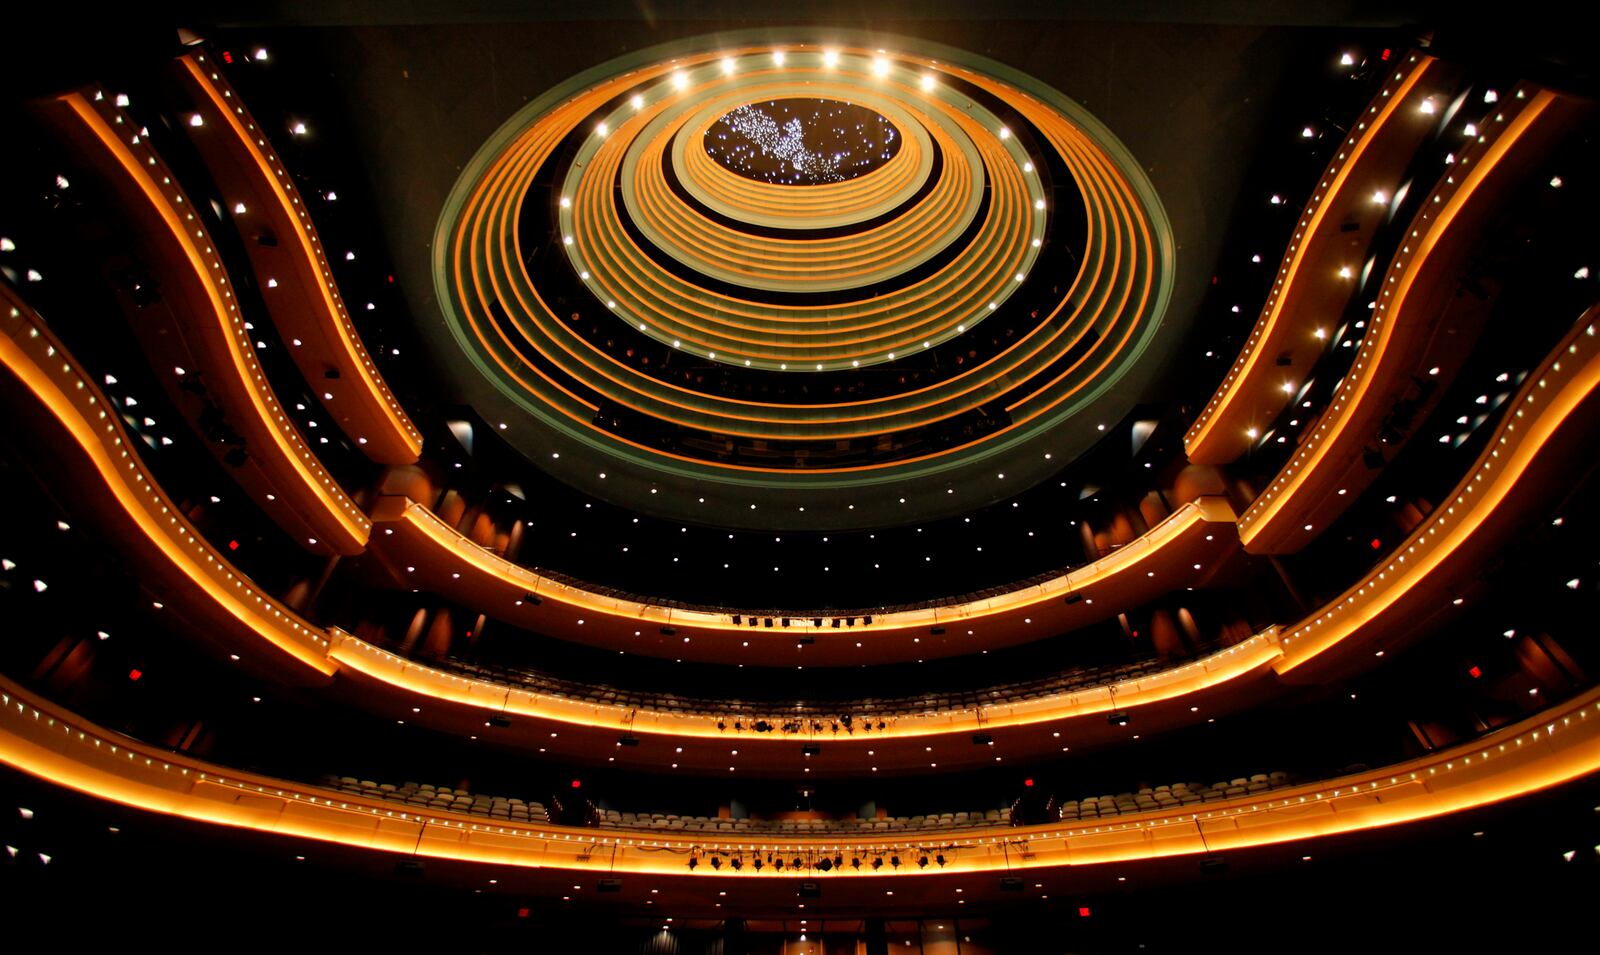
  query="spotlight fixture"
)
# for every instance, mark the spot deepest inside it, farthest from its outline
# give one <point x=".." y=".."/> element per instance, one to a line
<point x="922" y="862"/>
<point x="692" y="863"/>
<point x="877" y="862"/>
<point x="737" y="863"/>
<point x="855" y="862"/>
<point x="940" y="859"/>
<point x="894" y="861"/>
<point x="716" y="863"/>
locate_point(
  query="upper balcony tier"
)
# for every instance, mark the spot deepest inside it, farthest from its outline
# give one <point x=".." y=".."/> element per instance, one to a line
<point x="292" y="267"/>
<point x="192" y="323"/>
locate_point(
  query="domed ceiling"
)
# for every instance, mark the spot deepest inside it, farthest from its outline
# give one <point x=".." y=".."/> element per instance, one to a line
<point x="767" y="282"/>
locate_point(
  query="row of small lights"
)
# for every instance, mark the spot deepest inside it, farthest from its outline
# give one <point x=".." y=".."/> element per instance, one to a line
<point x="321" y="641"/>
<point x="1436" y="200"/>
<point x="603" y="475"/>
<point x="317" y="639"/>
<point x="330" y="490"/>
<point x="61" y="525"/>
<point x="1591" y="330"/>
<point x="139" y="424"/>
<point x="1148" y="466"/>
<point x="611" y="303"/>
<point x="1380" y="198"/>
<point x="476" y="555"/>
<point x="1484" y="754"/>
<point x="1469" y="489"/>
<point x="1353" y="380"/>
<point x="1078" y="697"/>
<point x="299" y="130"/>
<point x="1291" y="258"/>
<point x="436" y="674"/>
<point x="351" y="338"/>
<point x="881" y="66"/>
<point x="179" y="530"/>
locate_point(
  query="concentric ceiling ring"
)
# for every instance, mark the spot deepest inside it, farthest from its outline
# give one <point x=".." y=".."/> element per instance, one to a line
<point x="1004" y="268"/>
<point x="870" y="255"/>
<point x="822" y="206"/>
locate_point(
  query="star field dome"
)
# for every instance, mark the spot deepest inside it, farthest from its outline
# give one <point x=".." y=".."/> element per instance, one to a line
<point x="805" y="282"/>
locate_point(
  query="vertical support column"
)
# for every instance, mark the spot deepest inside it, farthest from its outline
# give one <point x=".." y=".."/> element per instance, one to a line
<point x="1288" y="584"/>
<point x="1165" y="636"/>
<point x="876" y="938"/>
<point x="436" y="642"/>
<point x="408" y="642"/>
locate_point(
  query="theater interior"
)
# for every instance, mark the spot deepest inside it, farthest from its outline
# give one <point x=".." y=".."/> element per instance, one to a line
<point x="799" y="479"/>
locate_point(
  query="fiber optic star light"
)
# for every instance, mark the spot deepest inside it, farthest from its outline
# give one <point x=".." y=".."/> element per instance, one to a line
<point x="826" y="270"/>
<point x="802" y="142"/>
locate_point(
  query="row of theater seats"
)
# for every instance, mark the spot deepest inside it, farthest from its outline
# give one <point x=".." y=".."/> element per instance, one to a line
<point x="777" y="614"/>
<point x="442" y="799"/>
<point x="800" y="827"/>
<point x="1171" y="797"/>
<point x="1148" y="799"/>
<point x="779" y="711"/>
